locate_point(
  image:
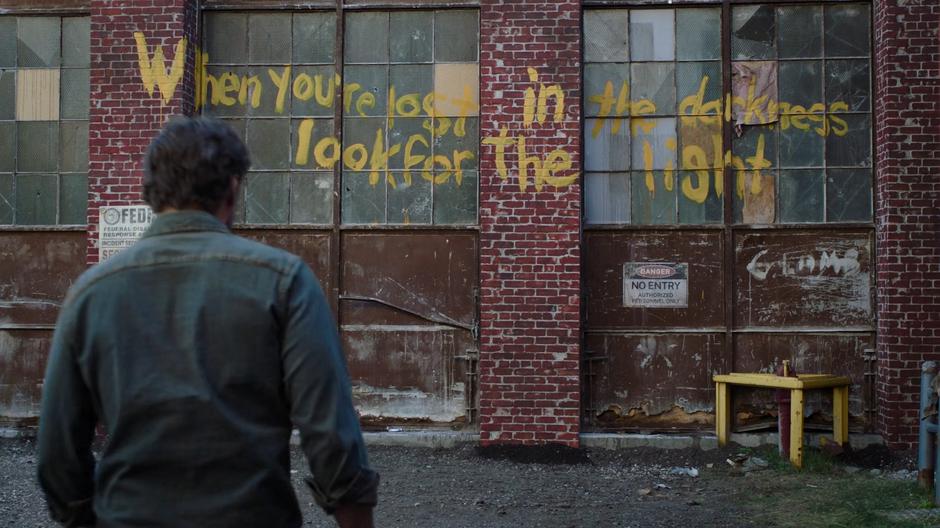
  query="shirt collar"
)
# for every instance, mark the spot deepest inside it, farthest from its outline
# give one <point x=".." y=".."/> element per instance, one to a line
<point x="183" y="222"/>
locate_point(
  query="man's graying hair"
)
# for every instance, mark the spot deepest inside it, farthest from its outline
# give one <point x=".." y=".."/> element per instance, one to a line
<point x="191" y="163"/>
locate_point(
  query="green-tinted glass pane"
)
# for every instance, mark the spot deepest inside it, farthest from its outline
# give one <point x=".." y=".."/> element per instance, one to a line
<point x="222" y="87"/>
<point x="266" y="197"/>
<point x="238" y="125"/>
<point x="597" y="97"/>
<point x="698" y="34"/>
<point x="74" y="94"/>
<point x="801" y="196"/>
<point x="752" y="32"/>
<point x="261" y="96"/>
<point x="362" y="131"/>
<point x="692" y="187"/>
<point x="73" y="146"/>
<point x="73" y="199"/>
<point x="802" y="148"/>
<point x="410" y="36"/>
<point x="607" y="144"/>
<point x="652" y="207"/>
<point x="652" y="35"/>
<point x="757" y="146"/>
<point x="37" y="146"/>
<point x="225" y="38"/>
<point x="848" y="195"/>
<point x="654" y="144"/>
<point x="38" y="41"/>
<point x="269" y="38"/>
<point x="607" y="198"/>
<point x="693" y="100"/>
<point x="6" y="199"/>
<point x="460" y="143"/>
<point x="7" y="146"/>
<point x="800" y="34"/>
<point x="456" y="36"/>
<point x="269" y="143"/>
<point x="36" y="199"/>
<point x="311" y="198"/>
<point x="314" y="91"/>
<point x="849" y="142"/>
<point x="366" y="37"/>
<point x="800" y="85"/>
<point x="363" y="203"/>
<point x="7" y="42"/>
<point x="308" y="134"/>
<point x="847" y="82"/>
<point x="314" y="35"/>
<point x="239" y="216"/>
<point x="413" y="141"/>
<point x="654" y="82"/>
<point x="409" y="202"/>
<point x="455" y="202"/>
<point x="7" y="94"/>
<point x="606" y="36"/>
<point x="76" y="39"/>
<point x="412" y="83"/>
<point x="848" y="31"/>
<point x="371" y="99"/>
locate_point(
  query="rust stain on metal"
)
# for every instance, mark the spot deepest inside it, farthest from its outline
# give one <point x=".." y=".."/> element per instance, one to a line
<point x="615" y="417"/>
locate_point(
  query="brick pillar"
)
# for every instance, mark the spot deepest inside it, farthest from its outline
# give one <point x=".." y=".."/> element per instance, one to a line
<point x="132" y="95"/>
<point x="530" y="221"/>
<point x="907" y="139"/>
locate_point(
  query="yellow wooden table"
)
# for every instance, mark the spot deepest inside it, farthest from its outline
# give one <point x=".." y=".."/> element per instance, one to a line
<point x="803" y="382"/>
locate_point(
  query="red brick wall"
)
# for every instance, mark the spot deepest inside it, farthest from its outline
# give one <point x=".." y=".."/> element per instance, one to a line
<point x="530" y="237"/>
<point x="907" y="143"/>
<point x="124" y="116"/>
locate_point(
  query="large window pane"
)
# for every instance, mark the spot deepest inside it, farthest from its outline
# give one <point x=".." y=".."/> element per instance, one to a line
<point x="752" y="32"/>
<point x="609" y="198"/>
<point x="36" y="199"/>
<point x="606" y="36"/>
<point x="800" y="31"/>
<point x="697" y="34"/>
<point x="652" y="35"/>
<point x="848" y="30"/>
<point x="39" y="44"/>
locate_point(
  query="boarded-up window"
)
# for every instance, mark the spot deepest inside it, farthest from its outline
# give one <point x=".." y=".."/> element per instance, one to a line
<point x="44" y="93"/>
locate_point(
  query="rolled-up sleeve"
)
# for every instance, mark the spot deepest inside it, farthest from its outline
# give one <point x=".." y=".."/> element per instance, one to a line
<point x="66" y="430"/>
<point x="320" y="397"/>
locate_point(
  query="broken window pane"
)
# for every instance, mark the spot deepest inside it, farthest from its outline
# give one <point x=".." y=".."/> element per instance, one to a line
<point x="800" y="33"/>
<point x="36" y="199"/>
<point x="311" y="198"/>
<point x="366" y="37"/>
<point x="800" y="85"/>
<point x="73" y="199"/>
<point x="410" y="202"/>
<point x="654" y="144"/>
<point x="752" y="32"/>
<point x="37" y="147"/>
<point x="456" y="36"/>
<point x="607" y="144"/>
<point x="801" y="148"/>
<point x="73" y="155"/>
<point x="698" y="35"/>
<point x="269" y="38"/>
<point x="314" y="35"/>
<point x="363" y="203"/>
<point x="371" y="98"/>
<point x="410" y="35"/>
<point x="6" y="199"/>
<point x="689" y="79"/>
<point x="847" y="81"/>
<point x="74" y="94"/>
<point x="848" y="30"/>
<point x="7" y="94"/>
<point x="656" y="206"/>
<point x="39" y="43"/>
<point x="849" y="142"/>
<point x="756" y="147"/>
<point x="7" y="146"/>
<point x="607" y="198"/>
<point x="652" y="35"/>
<point x="598" y="100"/>
<point x="848" y="195"/>
<point x="266" y="198"/>
<point x="605" y="36"/>
<point x="455" y="203"/>
<point x="694" y="187"/>
<point x="654" y="82"/>
<point x="222" y="39"/>
<point x="7" y="42"/>
<point x="801" y="195"/>
<point x="269" y="143"/>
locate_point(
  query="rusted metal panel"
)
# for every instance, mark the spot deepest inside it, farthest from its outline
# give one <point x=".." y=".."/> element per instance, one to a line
<point x="408" y="312"/>
<point x="44" y="6"/>
<point x="312" y="246"/>
<point x="23" y="356"/>
<point x="809" y="279"/>
<point x="652" y="381"/>
<point x="607" y="252"/>
<point x="808" y="353"/>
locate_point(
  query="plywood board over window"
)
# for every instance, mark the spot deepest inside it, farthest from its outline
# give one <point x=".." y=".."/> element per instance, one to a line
<point x="37" y="95"/>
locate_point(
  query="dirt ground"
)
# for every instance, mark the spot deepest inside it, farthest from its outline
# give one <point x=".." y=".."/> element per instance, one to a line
<point x="543" y="487"/>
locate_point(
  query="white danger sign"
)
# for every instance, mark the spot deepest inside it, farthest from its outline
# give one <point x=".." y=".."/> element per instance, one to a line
<point x="120" y="226"/>
<point x="655" y="285"/>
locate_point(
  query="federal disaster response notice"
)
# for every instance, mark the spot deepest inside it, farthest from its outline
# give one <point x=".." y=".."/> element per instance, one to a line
<point x="655" y="285"/>
<point x="120" y="226"/>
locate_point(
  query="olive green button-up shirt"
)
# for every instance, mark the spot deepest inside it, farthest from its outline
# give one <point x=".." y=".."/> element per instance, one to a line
<point x="197" y="350"/>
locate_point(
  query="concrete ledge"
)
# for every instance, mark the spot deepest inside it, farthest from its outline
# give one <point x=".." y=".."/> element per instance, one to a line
<point x="432" y="439"/>
<point x="708" y="442"/>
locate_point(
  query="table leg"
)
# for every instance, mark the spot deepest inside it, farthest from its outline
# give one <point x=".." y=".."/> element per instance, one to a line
<point x="840" y="415"/>
<point x="722" y="413"/>
<point x="796" y="427"/>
